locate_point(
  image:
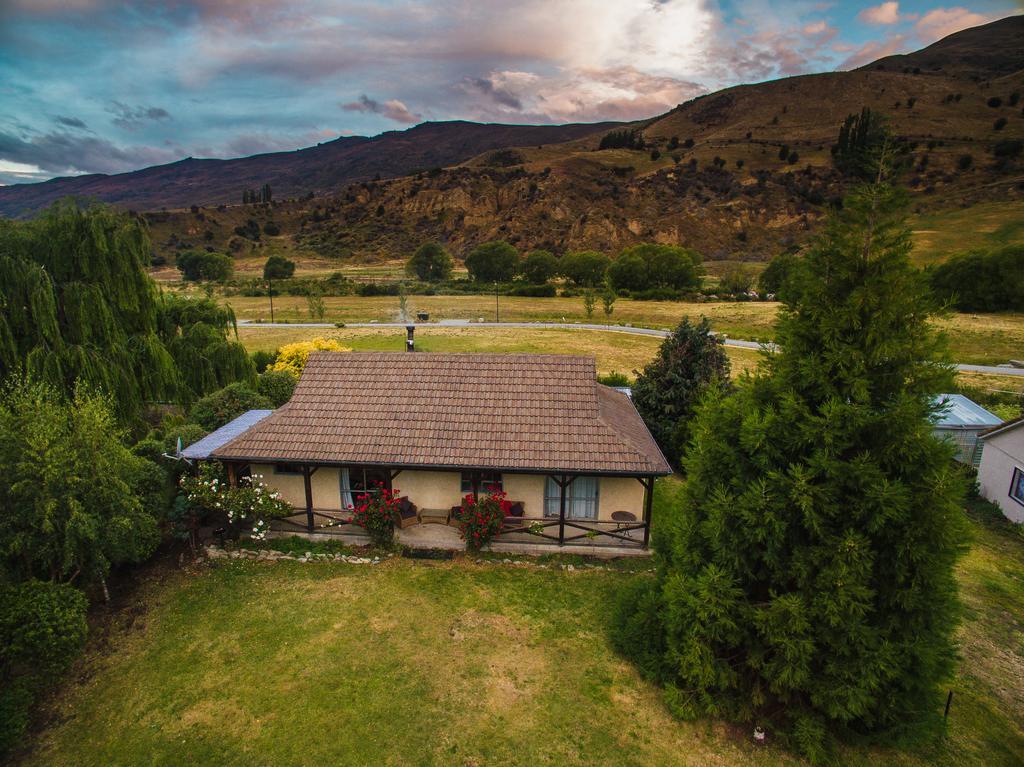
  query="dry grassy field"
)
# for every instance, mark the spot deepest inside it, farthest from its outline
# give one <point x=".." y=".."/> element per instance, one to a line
<point x="983" y="339"/>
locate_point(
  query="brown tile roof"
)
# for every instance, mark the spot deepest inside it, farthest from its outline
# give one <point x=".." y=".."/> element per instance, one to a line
<point x="496" y="411"/>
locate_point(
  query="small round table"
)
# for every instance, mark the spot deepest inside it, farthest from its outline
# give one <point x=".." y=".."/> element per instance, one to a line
<point x="623" y="518"/>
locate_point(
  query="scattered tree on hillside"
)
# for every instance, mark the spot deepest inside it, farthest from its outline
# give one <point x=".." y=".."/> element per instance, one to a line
<point x="278" y="268"/>
<point x="670" y="386"/>
<point x="808" y="582"/>
<point x="201" y="266"/>
<point x="585" y="268"/>
<point x="430" y="263"/>
<point x="494" y="261"/>
<point x="862" y="140"/>
<point x="627" y="138"/>
<point x="539" y="267"/>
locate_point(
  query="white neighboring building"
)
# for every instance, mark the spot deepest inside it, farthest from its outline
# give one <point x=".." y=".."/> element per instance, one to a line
<point x="1001" y="473"/>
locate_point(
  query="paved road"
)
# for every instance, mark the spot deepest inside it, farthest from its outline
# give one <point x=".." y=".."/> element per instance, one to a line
<point x="734" y="342"/>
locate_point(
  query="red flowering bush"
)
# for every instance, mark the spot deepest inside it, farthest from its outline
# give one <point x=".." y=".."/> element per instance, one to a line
<point x="375" y="513"/>
<point x="481" y="520"/>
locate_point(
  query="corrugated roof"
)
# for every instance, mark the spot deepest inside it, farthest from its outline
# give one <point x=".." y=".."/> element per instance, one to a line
<point x="501" y="411"/>
<point x="202" y="449"/>
<point x="962" y="413"/>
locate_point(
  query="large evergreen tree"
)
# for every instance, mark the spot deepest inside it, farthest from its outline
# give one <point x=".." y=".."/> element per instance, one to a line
<point x="807" y="584"/>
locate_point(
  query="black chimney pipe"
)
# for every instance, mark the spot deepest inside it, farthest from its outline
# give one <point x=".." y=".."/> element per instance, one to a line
<point x="410" y="343"/>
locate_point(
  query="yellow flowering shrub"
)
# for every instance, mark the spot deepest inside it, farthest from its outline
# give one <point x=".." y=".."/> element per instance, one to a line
<point x="292" y="357"/>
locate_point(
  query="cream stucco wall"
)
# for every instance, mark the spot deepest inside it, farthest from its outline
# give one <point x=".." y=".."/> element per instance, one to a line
<point x="429" y="489"/>
<point x="620" y="494"/>
<point x="324" y="483"/>
<point x="1002" y="454"/>
<point x="441" y="490"/>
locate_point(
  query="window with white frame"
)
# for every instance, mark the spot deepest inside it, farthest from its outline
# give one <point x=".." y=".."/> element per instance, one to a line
<point x="1017" y="486"/>
<point x="581" y="498"/>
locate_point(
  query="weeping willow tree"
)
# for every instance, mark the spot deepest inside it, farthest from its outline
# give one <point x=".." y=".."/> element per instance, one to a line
<point x="196" y="333"/>
<point x="76" y="306"/>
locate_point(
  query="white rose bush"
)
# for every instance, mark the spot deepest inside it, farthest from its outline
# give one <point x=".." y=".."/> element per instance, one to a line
<point x="247" y="507"/>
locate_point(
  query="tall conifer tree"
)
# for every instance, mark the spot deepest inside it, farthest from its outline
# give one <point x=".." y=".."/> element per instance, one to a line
<point x="807" y="584"/>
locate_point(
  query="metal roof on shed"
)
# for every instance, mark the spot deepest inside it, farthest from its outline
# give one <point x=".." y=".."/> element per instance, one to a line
<point x="962" y="413"/>
<point x="236" y="428"/>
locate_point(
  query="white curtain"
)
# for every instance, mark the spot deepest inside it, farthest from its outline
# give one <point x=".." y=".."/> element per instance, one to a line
<point x="346" y="490"/>
<point x="580" y="498"/>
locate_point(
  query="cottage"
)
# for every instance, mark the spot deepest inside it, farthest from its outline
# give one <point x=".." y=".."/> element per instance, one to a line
<point x="573" y="456"/>
<point x="1001" y="473"/>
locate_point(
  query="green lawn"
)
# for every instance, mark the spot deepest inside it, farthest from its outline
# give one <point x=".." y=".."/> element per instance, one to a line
<point x="456" y="663"/>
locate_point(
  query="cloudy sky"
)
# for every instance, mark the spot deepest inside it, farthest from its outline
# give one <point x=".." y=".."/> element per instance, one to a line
<point x="98" y="86"/>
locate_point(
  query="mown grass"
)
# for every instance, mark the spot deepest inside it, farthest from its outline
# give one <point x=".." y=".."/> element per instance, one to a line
<point x="455" y="663"/>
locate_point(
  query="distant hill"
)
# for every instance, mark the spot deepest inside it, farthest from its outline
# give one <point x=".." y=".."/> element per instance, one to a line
<point x="739" y="174"/>
<point x="320" y="169"/>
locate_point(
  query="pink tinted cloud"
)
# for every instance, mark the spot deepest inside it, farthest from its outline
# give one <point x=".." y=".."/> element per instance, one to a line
<point x="883" y="15"/>
<point x="940" y="22"/>
<point x="875" y="49"/>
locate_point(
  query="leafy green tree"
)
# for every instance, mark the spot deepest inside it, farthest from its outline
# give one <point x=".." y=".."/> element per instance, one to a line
<point x="494" y="261"/>
<point x="539" y="267"/>
<point x="225" y="405"/>
<point x="778" y="272"/>
<point x="585" y="268"/>
<point x="667" y="266"/>
<point x="808" y="580"/>
<point x="276" y="385"/>
<point x="982" y="281"/>
<point x="278" y="268"/>
<point x="608" y="302"/>
<point x="589" y="301"/>
<point x="629" y="272"/>
<point x="77" y="305"/>
<point x="668" y="389"/>
<point x="430" y="263"/>
<point x="200" y="266"/>
<point x="70" y="504"/>
<point x="737" y="278"/>
<point x="317" y="307"/>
